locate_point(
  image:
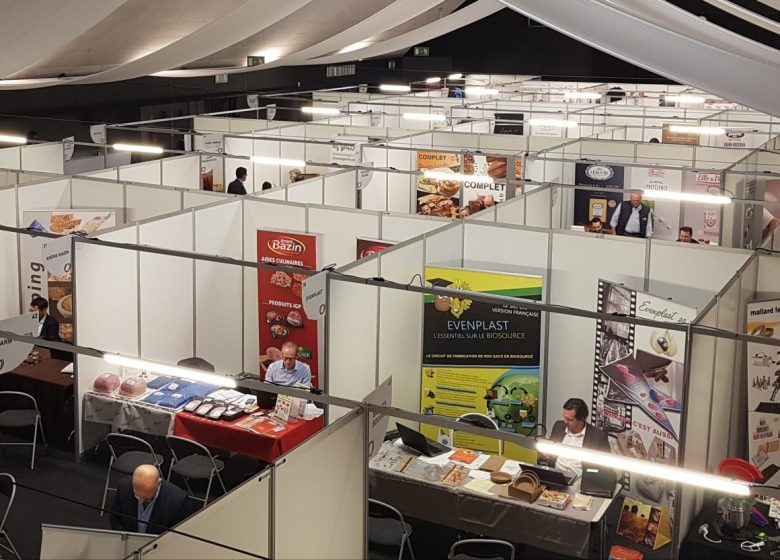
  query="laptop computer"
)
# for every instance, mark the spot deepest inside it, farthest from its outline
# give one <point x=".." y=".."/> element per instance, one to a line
<point x="598" y="481"/>
<point x="419" y="442"/>
<point x="550" y="475"/>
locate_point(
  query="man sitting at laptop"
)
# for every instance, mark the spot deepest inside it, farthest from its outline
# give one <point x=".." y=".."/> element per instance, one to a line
<point x="573" y="430"/>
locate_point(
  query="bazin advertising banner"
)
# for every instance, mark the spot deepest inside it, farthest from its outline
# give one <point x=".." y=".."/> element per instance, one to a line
<point x="597" y="204"/>
<point x="480" y="357"/>
<point x="438" y="197"/>
<point x="703" y="218"/>
<point x="366" y="247"/>
<point x="280" y="307"/>
<point x="666" y="213"/>
<point x="763" y="390"/>
<point x="13" y="352"/>
<point x="638" y="384"/>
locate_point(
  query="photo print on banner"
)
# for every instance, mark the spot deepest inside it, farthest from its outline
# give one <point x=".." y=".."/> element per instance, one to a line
<point x="638" y="384"/>
<point x="597" y="203"/>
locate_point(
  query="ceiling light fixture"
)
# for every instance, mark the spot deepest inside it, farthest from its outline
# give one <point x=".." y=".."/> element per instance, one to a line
<point x="709" y="130"/>
<point x="687" y="197"/>
<point x="438" y="117"/>
<point x="455" y="77"/>
<point x="581" y="95"/>
<point x="353" y="47"/>
<point x="138" y="148"/>
<point x="395" y="88"/>
<point x="13" y="139"/>
<point x="321" y="110"/>
<point x="684" y="98"/>
<point x="444" y="176"/>
<point x="166" y="369"/>
<point x="278" y="161"/>
<point x="433" y="80"/>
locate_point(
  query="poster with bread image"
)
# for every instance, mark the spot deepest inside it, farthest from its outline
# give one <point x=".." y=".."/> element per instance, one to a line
<point x="439" y="196"/>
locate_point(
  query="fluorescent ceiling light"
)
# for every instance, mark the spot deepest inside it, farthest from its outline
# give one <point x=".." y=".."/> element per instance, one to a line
<point x="270" y="55"/>
<point x="425" y="117"/>
<point x="353" y="47"/>
<point x="687" y="197"/>
<point x="478" y="90"/>
<point x="684" y="98"/>
<point x="581" y="95"/>
<point x="321" y="110"/>
<point x="278" y="161"/>
<point x="175" y="371"/>
<point x="395" y="88"/>
<point x="552" y="122"/>
<point x="648" y="468"/>
<point x="138" y="148"/>
<point x="711" y="130"/>
<point x="455" y="77"/>
<point x="13" y="139"/>
<point x="434" y="80"/>
<point x="445" y="176"/>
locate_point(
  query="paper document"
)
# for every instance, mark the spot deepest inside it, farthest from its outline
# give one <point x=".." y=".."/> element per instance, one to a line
<point x="480" y="486"/>
<point x="511" y="467"/>
<point x="479" y="475"/>
<point x="442" y="459"/>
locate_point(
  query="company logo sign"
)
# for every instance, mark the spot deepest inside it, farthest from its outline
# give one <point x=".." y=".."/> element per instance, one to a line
<point x="599" y="172"/>
<point x="286" y="246"/>
<point x="734" y="134"/>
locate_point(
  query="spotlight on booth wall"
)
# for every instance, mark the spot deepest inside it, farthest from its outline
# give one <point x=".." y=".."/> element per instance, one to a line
<point x="395" y="88"/>
<point x="479" y="90"/>
<point x="445" y="176"/>
<point x="552" y="122"/>
<point x="686" y="129"/>
<point x="321" y="110"/>
<point x="437" y="117"/>
<point x="647" y="468"/>
<point x="278" y="161"/>
<point x="434" y="80"/>
<point x="12" y="139"/>
<point x="684" y="98"/>
<point x="175" y="371"/>
<point x="455" y="77"/>
<point x="581" y="95"/>
<point x="138" y="148"/>
<point x="687" y="197"/>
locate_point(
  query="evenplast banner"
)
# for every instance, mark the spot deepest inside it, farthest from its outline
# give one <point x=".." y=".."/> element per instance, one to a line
<point x="279" y="293"/>
<point x="481" y="357"/>
<point x="638" y="384"/>
<point x="763" y="389"/>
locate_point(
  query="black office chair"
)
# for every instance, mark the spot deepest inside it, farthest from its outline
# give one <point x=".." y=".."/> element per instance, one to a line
<point x="387" y="530"/>
<point x="127" y="454"/>
<point x="20" y="410"/>
<point x="191" y="460"/>
<point x="7" y="490"/>
<point x="481" y="549"/>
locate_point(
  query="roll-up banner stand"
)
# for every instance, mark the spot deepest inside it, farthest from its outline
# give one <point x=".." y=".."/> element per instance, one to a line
<point x="638" y="386"/>
<point x="597" y="204"/>
<point x="763" y="390"/>
<point x="480" y="357"/>
<point x="280" y="306"/>
<point x="438" y="197"/>
<point x="13" y="352"/>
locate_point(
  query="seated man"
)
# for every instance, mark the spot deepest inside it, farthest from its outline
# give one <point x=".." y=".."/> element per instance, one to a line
<point x="574" y="430"/>
<point x="48" y="326"/>
<point x="289" y="371"/>
<point x="596" y="225"/>
<point x="686" y="235"/>
<point x="148" y="504"/>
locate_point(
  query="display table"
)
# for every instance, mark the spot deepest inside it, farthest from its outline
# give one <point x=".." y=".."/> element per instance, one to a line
<point x="127" y="414"/>
<point x="226" y="436"/>
<point x="566" y="531"/>
<point x="52" y="390"/>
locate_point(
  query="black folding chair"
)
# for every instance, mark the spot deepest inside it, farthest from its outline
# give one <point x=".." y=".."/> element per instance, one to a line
<point x="20" y="410"/>
<point x="127" y="454"/>
<point x="191" y="460"/>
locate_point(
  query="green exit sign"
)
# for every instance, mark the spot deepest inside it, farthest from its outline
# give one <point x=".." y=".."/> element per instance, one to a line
<point x="221" y="79"/>
<point x="422" y="51"/>
<point x="255" y="60"/>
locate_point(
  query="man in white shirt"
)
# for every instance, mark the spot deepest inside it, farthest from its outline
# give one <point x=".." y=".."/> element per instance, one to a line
<point x="632" y="218"/>
<point x="289" y="371"/>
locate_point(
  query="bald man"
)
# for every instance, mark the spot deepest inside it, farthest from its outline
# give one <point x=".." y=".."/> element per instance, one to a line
<point x="148" y="504"/>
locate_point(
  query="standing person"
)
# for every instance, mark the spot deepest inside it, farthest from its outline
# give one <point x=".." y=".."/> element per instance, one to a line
<point x="289" y="371"/>
<point x="686" y="235"/>
<point x="632" y="218"/>
<point x="48" y="326"/>
<point x="148" y="504"/>
<point x="237" y="186"/>
<point x="573" y="430"/>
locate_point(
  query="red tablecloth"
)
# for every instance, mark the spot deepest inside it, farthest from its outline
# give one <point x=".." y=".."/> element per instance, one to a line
<point x="224" y="435"/>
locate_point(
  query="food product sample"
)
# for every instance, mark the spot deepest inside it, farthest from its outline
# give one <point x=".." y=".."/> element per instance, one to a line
<point x="274" y="317"/>
<point x="281" y="279"/>
<point x="132" y="387"/>
<point x="106" y="383"/>
<point x="279" y="331"/>
<point x="294" y="319"/>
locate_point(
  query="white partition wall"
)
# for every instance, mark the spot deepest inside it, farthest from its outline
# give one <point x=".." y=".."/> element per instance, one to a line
<point x="9" y="255"/>
<point x="48" y="157"/>
<point x="181" y="171"/>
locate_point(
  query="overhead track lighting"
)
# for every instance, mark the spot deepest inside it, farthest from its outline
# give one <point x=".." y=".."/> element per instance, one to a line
<point x="395" y="88"/>
<point x="321" y="110"/>
<point x="709" y="130"/>
<point x="444" y="176"/>
<point x="138" y="148"/>
<point x="13" y="139"/>
<point x="278" y="161"/>
<point x="684" y="98"/>
<point x="687" y="197"/>
<point x="433" y="80"/>
<point x="479" y="90"/>
<point x="166" y="369"/>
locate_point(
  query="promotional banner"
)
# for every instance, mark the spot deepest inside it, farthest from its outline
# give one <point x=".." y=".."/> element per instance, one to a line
<point x="597" y="204"/>
<point x="279" y="298"/>
<point x="68" y="147"/>
<point x="638" y="384"/>
<point x="98" y="133"/>
<point x="479" y="195"/>
<point x="211" y="169"/>
<point x="508" y="127"/>
<point x="46" y="262"/>
<point x="438" y="197"/>
<point x="13" y="352"/>
<point x="669" y="137"/>
<point x="763" y="390"/>
<point x="480" y="357"/>
<point x="666" y="213"/>
<point x="347" y="151"/>
<point x="703" y="218"/>
<point x="253" y="101"/>
<point x="270" y="111"/>
<point x="366" y="247"/>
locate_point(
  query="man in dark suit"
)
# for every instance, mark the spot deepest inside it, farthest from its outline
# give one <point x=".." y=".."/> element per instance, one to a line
<point x="237" y="186"/>
<point x="575" y="431"/>
<point x="148" y="504"/>
<point x="48" y="326"/>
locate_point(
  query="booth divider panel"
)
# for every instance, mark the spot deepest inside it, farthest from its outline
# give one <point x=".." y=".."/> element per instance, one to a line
<point x="400" y="228"/>
<point x="87" y="193"/>
<point x="308" y="191"/>
<point x="211" y="124"/>
<point x="339" y="230"/>
<point x="144" y="202"/>
<point x="199" y="198"/>
<point x="50" y="195"/>
<point x="166" y="291"/>
<point x="339" y="189"/>
<point x="9" y="278"/>
<point x="537" y="208"/>
<point x="505" y="249"/>
<point x="768" y="273"/>
<point x="239" y="519"/>
<point x="8" y="177"/>
<point x="486" y="215"/>
<point x="748" y="282"/>
<point x="181" y="172"/>
<point x="330" y="472"/>
<point x="401" y="193"/>
<point x="10" y="158"/>
<point x="111" y="173"/>
<point x="147" y="172"/>
<point x="444" y="247"/>
<point x="49" y="157"/>
<point x="374" y="195"/>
